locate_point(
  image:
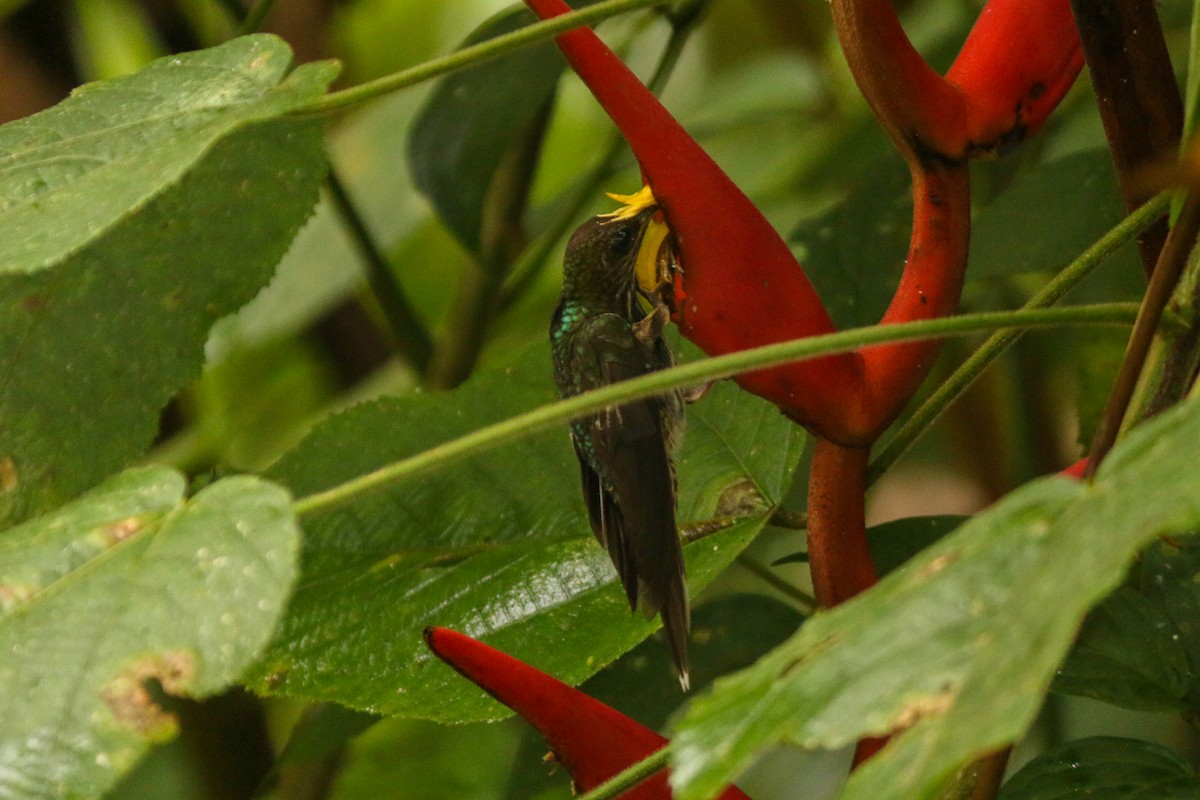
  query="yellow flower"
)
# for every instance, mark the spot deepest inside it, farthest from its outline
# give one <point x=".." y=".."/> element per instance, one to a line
<point x="652" y="272"/>
<point x="633" y="204"/>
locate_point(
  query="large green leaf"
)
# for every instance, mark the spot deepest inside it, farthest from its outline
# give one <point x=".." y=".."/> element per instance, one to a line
<point x="136" y="213"/>
<point x="498" y="546"/>
<point x="127" y="584"/>
<point x="1140" y="648"/>
<point x="473" y="119"/>
<point x="955" y="650"/>
<point x="1104" y="768"/>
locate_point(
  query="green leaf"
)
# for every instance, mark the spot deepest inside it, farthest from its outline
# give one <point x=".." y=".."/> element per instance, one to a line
<point x="1140" y="648"/>
<point x="129" y="584"/>
<point x="137" y="212"/>
<point x="426" y="760"/>
<point x="498" y="547"/>
<point x="1048" y="217"/>
<point x="955" y="649"/>
<point x="854" y="252"/>
<point x="473" y="119"/>
<point x="1104" y="768"/>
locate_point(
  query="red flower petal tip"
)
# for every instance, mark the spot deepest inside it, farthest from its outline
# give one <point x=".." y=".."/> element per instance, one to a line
<point x="593" y="741"/>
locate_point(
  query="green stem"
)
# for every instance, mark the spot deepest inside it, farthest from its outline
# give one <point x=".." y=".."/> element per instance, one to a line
<point x="768" y="576"/>
<point x="253" y="19"/>
<point x="234" y="9"/>
<point x="630" y="777"/>
<point x="962" y="378"/>
<point x="475" y="54"/>
<point x="548" y="416"/>
<point x="412" y="339"/>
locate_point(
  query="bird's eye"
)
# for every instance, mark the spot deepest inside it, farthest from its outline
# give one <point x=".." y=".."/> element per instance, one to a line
<point x="623" y="240"/>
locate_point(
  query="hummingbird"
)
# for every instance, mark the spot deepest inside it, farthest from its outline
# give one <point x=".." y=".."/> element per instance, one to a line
<point x="599" y="335"/>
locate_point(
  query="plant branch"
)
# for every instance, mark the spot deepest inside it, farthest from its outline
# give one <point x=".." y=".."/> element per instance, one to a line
<point x="1174" y="359"/>
<point x="233" y="9"/>
<point x="630" y="777"/>
<point x="838" y="556"/>
<point x="554" y="414"/>
<point x="963" y="377"/>
<point x="475" y="54"/>
<point x="768" y="576"/>
<point x="1171" y="262"/>
<point x="1136" y="94"/>
<point x="786" y="518"/>
<point x="412" y="338"/>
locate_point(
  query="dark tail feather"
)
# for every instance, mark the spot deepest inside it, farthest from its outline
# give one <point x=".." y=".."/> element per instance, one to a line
<point x="671" y="603"/>
<point x="677" y="622"/>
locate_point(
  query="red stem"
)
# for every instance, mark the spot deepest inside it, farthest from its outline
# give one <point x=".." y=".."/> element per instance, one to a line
<point x="919" y="109"/>
<point x="929" y="288"/>
<point x="837" y="532"/>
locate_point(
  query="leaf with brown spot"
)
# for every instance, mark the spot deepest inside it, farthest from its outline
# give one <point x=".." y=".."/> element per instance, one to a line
<point x="990" y="610"/>
<point x="130" y="702"/>
<point x="129" y="584"/>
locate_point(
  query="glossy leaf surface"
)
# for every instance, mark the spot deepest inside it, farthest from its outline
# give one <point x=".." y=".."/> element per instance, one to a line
<point x="497" y="546"/>
<point x="1104" y="768"/>
<point x="1140" y="648"/>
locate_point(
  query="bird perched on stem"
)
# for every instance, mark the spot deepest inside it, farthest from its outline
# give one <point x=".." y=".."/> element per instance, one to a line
<point x="600" y="335"/>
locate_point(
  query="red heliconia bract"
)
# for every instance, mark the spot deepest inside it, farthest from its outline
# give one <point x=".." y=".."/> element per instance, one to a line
<point x="593" y="741"/>
<point x="741" y="287"/>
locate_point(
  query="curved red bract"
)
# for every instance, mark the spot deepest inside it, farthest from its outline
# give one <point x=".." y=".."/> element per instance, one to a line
<point x="593" y="741"/>
<point x="741" y="287"/>
<point x="1018" y="62"/>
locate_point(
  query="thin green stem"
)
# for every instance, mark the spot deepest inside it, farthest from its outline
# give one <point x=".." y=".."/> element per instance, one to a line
<point x="501" y="238"/>
<point x="475" y="54"/>
<point x="253" y="19"/>
<point x="412" y="338"/>
<point x="548" y="416"/>
<point x="962" y="378"/>
<point x="234" y="9"/>
<point x="630" y="777"/>
<point x="768" y="576"/>
<point x="1191" y="98"/>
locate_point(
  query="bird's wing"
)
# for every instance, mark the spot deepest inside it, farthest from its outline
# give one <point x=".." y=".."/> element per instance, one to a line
<point x="628" y="479"/>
